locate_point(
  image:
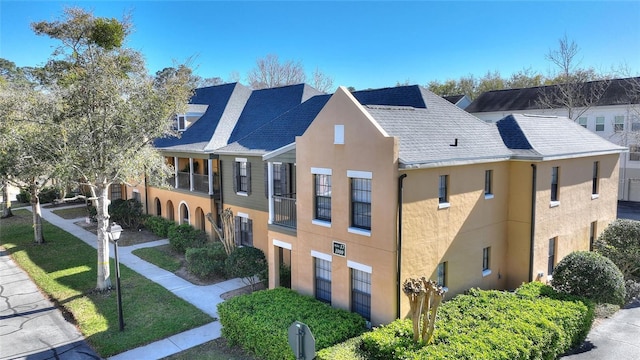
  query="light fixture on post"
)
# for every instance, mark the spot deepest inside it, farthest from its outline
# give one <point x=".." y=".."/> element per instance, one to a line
<point x="114" y="234"/>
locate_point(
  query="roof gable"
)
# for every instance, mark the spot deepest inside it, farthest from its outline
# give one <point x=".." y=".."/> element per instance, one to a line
<point x="394" y="96"/>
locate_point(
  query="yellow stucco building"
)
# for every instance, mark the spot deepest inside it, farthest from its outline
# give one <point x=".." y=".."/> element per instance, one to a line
<point x="357" y="192"/>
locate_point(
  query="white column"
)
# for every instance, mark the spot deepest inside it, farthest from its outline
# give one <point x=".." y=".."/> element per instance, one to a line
<point x="210" y="174"/>
<point x="190" y="174"/>
<point x="175" y="170"/>
<point x="270" y="191"/>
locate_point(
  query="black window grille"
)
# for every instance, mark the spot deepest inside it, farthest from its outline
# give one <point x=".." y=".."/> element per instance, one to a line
<point x="323" y="280"/>
<point x="361" y="203"/>
<point x="361" y="293"/>
<point x="323" y="197"/>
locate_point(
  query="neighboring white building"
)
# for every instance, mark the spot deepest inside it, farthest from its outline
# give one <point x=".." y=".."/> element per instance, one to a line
<point x="615" y="117"/>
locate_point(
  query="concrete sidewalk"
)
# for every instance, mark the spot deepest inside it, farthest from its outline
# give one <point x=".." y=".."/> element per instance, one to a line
<point x="31" y="327"/>
<point x="205" y="298"/>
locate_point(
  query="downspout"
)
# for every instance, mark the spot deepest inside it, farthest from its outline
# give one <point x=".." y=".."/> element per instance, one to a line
<point x="146" y="191"/>
<point x="399" y="265"/>
<point x="533" y="218"/>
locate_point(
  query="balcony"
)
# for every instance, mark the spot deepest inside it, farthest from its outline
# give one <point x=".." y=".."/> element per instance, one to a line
<point x="284" y="210"/>
<point x="200" y="182"/>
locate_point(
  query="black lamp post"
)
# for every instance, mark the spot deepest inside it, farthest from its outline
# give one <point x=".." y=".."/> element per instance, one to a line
<point x="114" y="234"/>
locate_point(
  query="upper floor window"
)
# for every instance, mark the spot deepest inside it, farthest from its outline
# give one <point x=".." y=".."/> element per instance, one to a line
<point x="554" y="183"/>
<point x="242" y="176"/>
<point x="488" y="183"/>
<point x="634" y="153"/>
<point x="277" y="179"/>
<point x="361" y="203"/>
<point x="443" y="191"/>
<point x="618" y="123"/>
<point x="181" y="122"/>
<point x="322" y="197"/>
<point x="582" y="121"/>
<point x="595" y="178"/>
<point x="600" y="123"/>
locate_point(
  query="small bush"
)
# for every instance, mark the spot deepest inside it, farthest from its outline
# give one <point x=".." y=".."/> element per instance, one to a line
<point x="24" y="196"/>
<point x="158" y="225"/>
<point x="207" y="261"/>
<point x="259" y="322"/>
<point x="127" y="213"/>
<point x="633" y="290"/>
<point x="347" y="350"/>
<point x="620" y="242"/>
<point x="591" y="275"/>
<point x="185" y="236"/>
<point x="247" y="262"/>
<point x="46" y="195"/>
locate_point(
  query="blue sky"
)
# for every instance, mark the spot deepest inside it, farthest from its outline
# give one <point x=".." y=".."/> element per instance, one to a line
<point x="359" y="43"/>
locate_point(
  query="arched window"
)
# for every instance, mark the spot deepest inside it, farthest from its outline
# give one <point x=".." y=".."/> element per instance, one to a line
<point x="170" y="215"/>
<point x="158" y="207"/>
<point x="184" y="213"/>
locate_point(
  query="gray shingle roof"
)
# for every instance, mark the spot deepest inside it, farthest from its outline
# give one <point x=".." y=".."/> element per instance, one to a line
<point x="280" y="131"/>
<point x="426" y="134"/>
<point x="537" y="137"/>
<point x="618" y="92"/>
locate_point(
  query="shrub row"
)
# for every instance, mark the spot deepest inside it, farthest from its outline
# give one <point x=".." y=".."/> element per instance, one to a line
<point x="46" y="195"/>
<point x="184" y="236"/>
<point x="127" y="213"/>
<point x="207" y="261"/>
<point x="258" y="322"/>
<point x="535" y="322"/>
<point x="158" y="225"/>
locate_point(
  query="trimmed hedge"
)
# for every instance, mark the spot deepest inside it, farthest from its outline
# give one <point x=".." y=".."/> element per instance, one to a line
<point x="258" y="322"/>
<point x="158" y="225"/>
<point x="185" y="236"/>
<point x="589" y="274"/>
<point x="535" y="322"/>
<point x="207" y="261"/>
<point x="127" y="213"/>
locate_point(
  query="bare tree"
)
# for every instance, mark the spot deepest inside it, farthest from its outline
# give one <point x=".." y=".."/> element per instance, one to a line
<point x="270" y="72"/>
<point x="321" y="81"/>
<point x="576" y="89"/>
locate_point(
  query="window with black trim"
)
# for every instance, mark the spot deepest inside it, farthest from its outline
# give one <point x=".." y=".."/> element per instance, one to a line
<point x="486" y="258"/>
<point x="361" y="293"/>
<point x="551" y="259"/>
<point x="443" y="191"/>
<point x="242" y="176"/>
<point x="554" y="183"/>
<point x="361" y="203"/>
<point x="442" y="274"/>
<point x="488" y="182"/>
<point x="595" y="182"/>
<point x="244" y="231"/>
<point x="323" y="280"/>
<point x="322" y="184"/>
<point x="592" y="234"/>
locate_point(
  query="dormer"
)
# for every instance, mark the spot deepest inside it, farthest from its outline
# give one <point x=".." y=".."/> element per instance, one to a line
<point x="181" y="122"/>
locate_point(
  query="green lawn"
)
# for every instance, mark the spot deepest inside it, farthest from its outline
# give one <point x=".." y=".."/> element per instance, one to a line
<point x="159" y="256"/>
<point x="65" y="269"/>
<point x="72" y="213"/>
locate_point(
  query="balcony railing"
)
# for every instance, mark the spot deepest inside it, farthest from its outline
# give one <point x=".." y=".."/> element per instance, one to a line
<point x="200" y="182"/>
<point x="284" y="210"/>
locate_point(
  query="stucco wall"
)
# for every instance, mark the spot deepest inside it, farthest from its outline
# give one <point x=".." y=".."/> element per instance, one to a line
<point x="177" y="197"/>
<point x="456" y="234"/>
<point x="365" y="149"/>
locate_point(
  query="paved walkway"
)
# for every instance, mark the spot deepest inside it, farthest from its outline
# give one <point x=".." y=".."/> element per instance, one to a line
<point x="206" y="298"/>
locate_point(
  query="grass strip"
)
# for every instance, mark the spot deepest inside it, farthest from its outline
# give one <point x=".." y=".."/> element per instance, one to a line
<point x="72" y="213"/>
<point x="65" y="269"/>
<point x="159" y="256"/>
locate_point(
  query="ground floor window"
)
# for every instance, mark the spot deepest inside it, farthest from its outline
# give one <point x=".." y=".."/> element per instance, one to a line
<point x="244" y="231"/>
<point x="361" y="293"/>
<point x="323" y="280"/>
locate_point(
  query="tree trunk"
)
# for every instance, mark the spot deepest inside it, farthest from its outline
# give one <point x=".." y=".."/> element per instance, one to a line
<point x="38" y="237"/>
<point x="99" y="193"/>
<point x="6" y="211"/>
